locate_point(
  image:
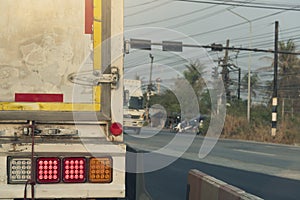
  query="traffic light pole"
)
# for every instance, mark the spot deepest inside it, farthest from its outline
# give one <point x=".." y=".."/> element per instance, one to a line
<point x="149" y="88"/>
<point x="140" y="44"/>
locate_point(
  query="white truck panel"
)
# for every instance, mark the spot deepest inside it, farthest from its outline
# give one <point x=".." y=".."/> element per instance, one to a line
<point x="41" y="43"/>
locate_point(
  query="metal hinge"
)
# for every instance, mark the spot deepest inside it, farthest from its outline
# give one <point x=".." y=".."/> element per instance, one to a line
<point x="96" y="78"/>
<point x="112" y="78"/>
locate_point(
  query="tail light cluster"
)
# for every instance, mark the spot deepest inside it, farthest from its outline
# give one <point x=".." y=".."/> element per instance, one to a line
<point x="100" y="170"/>
<point x="74" y="170"/>
<point x="48" y="170"/>
<point x="19" y="170"/>
<point x="66" y="170"/>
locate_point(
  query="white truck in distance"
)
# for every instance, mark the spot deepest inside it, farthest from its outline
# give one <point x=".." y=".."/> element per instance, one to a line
<point x="134" y="110"/>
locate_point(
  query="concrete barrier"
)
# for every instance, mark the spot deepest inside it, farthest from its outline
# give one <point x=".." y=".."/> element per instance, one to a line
<point x="204" y="187"/>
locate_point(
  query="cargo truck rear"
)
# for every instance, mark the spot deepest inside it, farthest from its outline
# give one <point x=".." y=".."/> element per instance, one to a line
<point x="61" y="102"/>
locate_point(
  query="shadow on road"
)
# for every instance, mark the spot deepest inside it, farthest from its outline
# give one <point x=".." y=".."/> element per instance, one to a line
<point x="170" y="183"/>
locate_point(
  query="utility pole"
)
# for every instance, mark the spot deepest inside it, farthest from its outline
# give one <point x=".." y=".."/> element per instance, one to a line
<point x="149" y="88"/>
<point x="239" y="84"/>
<point x="151" y="67"/>
<point x="225" y="71"/>
<point x="249" y="62"/>
<point x="275" y="93"/>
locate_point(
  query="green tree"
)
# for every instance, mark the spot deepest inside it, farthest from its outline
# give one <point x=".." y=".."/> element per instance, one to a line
<point x="168" y="100"/>
<point x="288" y="67"/>
<point x="205" y="102"/>
<point x="288" y="63"/>
<point x="288" y="86"/>
<point x="193" y="76"/>
<point x="186" y="92"/>
<point x="289" y="77"/>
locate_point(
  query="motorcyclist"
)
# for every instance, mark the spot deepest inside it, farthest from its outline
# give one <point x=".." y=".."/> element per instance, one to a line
<point x="200" y="127"/>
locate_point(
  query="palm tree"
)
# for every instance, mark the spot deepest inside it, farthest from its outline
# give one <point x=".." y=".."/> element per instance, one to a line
<point x="188" y="89"/>
<point x="289" y="66"/>
<point x="289" y="79"/>
<point x="193" y="76"/>
<point x="287" y="62"/>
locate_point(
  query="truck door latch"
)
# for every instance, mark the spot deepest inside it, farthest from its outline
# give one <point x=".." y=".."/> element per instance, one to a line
<point x="96" y="78"/>
<point x="112" y="78"/>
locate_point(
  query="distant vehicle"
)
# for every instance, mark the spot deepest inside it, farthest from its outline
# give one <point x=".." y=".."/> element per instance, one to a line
<point x="194" y="125"/>
<point x="134" y="110"/>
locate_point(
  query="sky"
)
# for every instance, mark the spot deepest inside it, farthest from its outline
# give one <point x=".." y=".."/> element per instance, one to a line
<point x="245" y="23"/>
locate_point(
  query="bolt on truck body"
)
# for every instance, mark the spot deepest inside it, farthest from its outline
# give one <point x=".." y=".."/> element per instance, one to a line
<point x="61" y="109"/>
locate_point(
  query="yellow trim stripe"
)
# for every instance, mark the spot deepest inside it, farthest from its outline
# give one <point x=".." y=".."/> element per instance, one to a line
<point x="11" y="106"/>
<point x="97" y="94"/>
<point x="97" y="36"/>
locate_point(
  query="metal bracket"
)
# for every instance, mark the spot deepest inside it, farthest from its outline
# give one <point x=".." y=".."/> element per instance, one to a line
<point x="96" y="78"/>
<point x="112" y="78"/>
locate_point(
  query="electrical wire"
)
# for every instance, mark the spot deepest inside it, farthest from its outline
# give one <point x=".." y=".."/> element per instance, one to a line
<point x="198" y="19"/>
<point x="293" y="8"/>
<point x="220" y="29"/>
<point x="262" y="37"/>
<point x="206" y="16"/>
<point x="31" y="181"/>
<point x="265" y="35"/>
<point x="142" y="4"/>
<point x="258" y="3"/>
<point x="148" y="9"/>
<point x="234" y="25"/>
<point x="171" y="18"/>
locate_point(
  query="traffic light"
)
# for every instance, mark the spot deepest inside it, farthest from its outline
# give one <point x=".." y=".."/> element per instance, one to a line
<point x="216" y="47"/>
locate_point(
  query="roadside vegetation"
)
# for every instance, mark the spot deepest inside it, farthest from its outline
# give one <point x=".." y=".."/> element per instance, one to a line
<point x="258" y="128"/>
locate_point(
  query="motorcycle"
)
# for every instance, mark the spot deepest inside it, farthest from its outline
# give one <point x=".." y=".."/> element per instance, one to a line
<point x="182" y="127"/>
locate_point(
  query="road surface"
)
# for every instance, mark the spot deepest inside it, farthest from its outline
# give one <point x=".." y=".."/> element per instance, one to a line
<point x="269" y="171"/>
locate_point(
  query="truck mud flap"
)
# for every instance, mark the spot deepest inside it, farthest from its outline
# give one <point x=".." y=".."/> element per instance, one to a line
<point x="135" y="182"/>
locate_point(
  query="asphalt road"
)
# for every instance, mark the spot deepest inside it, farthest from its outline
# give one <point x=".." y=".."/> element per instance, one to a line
<point x="265" y="170"/>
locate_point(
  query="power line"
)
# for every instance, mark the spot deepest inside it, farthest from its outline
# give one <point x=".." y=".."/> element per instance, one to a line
<point x="206" y="16"/>
<point x="223" y="3"/>
<point x="260" y="44"/>
<point x="191" y="21"/>
<point x="273" y="4"/>
<point x="194" y="20"/>
<point x="220" y="29"/>
<point x="142" y="4"/>
<point x="148" y="9"/>
<point x="266" y="35"/>
<point x="172" y="18"/>
<point x="235" y="25"/>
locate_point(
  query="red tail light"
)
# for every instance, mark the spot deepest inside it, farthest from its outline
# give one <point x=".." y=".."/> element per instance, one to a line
<point x="116" y="129"/>
<point x="48" y="170"/>
<point x="74" y="170"/>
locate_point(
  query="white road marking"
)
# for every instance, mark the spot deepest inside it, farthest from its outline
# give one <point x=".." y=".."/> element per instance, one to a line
<point x="254" y="152"/>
